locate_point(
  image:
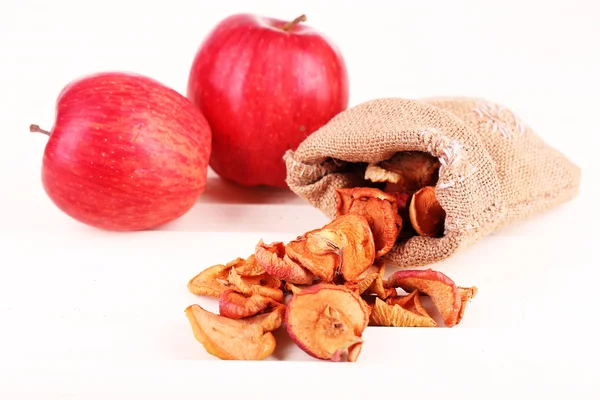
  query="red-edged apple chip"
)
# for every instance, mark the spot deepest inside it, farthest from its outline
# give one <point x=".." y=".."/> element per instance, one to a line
<point x="441" y="289"/>
<point x="275" y="261"/>
<point x="254" y="285"/>
<point x="327" y="320"/>
<point x="380" y="210"/>
<point x="426" y="214"/>
<point x="237" y="306"/>
<point x="210" y="282"/>
<point x="230" y="339"/>
<point x="384" y="314"/>
<point x="466" y="294"/>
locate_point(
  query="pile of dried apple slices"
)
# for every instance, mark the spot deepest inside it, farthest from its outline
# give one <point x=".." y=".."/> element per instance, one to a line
<point x="326" y="286"/>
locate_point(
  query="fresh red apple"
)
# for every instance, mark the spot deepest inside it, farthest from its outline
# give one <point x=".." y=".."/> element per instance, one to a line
<point x="125" y="153"/>
<point x="264" y="85"/>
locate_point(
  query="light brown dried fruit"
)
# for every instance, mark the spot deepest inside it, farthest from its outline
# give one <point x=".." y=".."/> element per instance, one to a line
<point x="316" y="253"/>
<point x="426" y="214"/>
<point x="230" y="339"/>
<point x="379" y="285"/>
<point x="379" y="208"/>
<point x="276" y="262"/>
<point x="293" y="289"/>
<point x="210" y="282"/>
<point x="375" y="173"/>
<point x="326" y="320"/>
<point x="237" y="306"/>
<point x="269" y="321"/>
<point x="466" y="294"/>
<point x="410" y="302"/>
<point x="364" y="280"/>
<point x="247" y="267"/>
<point x="384" y="314"/>
<point x="415" y="170"/>
<point x="246" y="286"/>
<point x="442" y="290"/>
<point x="352" y="235"/>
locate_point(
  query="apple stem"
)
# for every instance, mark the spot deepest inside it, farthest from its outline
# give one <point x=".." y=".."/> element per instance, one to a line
<point x="37" y="129"/>
<point x="290" y="24"/>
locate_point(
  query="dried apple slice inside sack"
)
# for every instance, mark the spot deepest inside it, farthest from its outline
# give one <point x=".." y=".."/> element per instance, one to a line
<point x="443" y="292"/>
<point x="414" y="170"/>
<point x="230" y="339"/>
<point x="326" y="321"/>
<point x="426" y="214"/>
<point x="379" y="208"/>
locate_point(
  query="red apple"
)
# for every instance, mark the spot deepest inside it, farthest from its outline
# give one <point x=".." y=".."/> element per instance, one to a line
<point x="264" y="85"/>
<point x="125" y="153"/>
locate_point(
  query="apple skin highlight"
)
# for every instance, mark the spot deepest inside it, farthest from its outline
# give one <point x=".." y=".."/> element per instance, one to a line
<point x="126" y="153"/>
<point x="264" y="85"/>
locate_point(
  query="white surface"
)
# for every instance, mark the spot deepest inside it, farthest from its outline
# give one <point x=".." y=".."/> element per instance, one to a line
<point x="93" y="314"/>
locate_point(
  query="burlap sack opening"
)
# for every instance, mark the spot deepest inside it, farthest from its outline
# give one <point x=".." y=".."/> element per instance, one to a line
<point x="494" y="169"/>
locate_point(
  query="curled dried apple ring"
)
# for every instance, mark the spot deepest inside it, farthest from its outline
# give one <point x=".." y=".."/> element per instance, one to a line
<point x="326" y="320"/>
<point x="316" y="253"/>
<point x="230" y="339"/>
<point x="273" y="258"/>
<point x="245" y="286"/>
<point x="426" y="214"/>
<point x="443" y="292"/>
<point x="237" y="306"/>
<point x="379" y="208"/>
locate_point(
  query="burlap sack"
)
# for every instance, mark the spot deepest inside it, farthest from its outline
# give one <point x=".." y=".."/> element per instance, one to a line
<point x="494" y="169"/>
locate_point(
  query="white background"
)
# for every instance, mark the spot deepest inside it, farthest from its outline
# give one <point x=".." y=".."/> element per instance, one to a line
<point x="97" y="314"/>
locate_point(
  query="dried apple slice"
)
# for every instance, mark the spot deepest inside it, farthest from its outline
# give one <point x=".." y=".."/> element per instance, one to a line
<point x="326" y="320"/>
<point x="375" y="173"/>
<point x="246" y="286"/>
<point x="466" y="294"/>
<point x="410" y="302"/>
<point x="379" y="208"/>
<point x="230" y="339"/>
<point x="352" y="235"/>
<point x="316" y="253"/>
<point x="247" y="267"/>
<point x="426" y="214"/>
<point x="293" y="289"/>
<point x="364" y="280"/>
<point x="414" y="168"/>
<point x="269" y="321"/>
<point x="384" y="314"/>
<point x="441" y="289"/>
<point x="276" y="262"/>
<point x="210" y="282"/>
<point x="237" y="306"/>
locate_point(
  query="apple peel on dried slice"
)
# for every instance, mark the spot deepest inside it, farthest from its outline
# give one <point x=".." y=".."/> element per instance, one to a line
<point x="230" y="339"/>
<point x="385" y="314"/>
<point x="327" y="320"/>
<point x="246" y="286"/>
<point x="426" y="214"/>
<point x="237" y="306"/>
<point x="273" y="258"/>
<point x="210" y="282"/>
<point x="441" y="289"/>
<point x="379" y="208"/>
